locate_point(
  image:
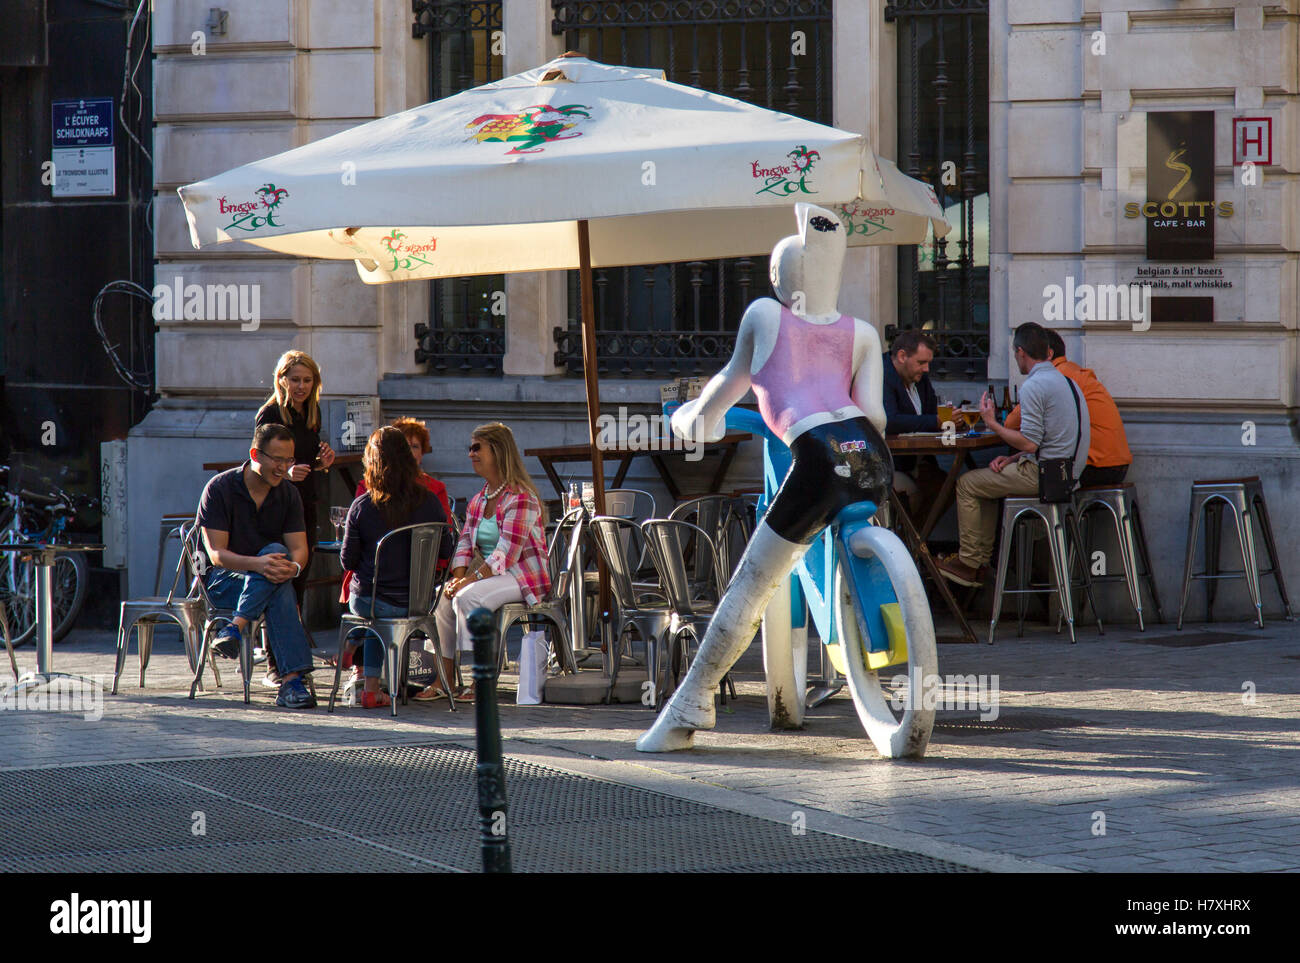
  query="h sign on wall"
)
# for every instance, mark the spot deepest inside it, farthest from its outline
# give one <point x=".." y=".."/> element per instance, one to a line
<point x="1252" y="140"/>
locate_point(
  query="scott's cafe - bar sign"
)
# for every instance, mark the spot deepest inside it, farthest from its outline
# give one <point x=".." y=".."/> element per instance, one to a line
<point x="1180" y="211"/>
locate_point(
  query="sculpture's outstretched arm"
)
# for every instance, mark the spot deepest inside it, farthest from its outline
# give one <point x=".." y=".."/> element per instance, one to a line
<point x="703" y="419"/>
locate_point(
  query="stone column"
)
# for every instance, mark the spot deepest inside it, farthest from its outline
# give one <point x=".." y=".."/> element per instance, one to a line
<point x="536" y="301"/>
<point x="864" y="94"/>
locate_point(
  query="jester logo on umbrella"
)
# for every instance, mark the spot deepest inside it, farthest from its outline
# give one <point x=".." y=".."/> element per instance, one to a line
<point x="246" y="216"/>
<point x="406" y="254"/>
<point x="531" y="128"/>
<point x="791" y="177"/>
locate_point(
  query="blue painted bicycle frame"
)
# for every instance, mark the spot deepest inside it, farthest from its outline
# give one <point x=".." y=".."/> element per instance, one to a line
<point x="812" y="580"/>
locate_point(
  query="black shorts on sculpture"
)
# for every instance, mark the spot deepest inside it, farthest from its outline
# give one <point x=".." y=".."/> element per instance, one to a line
<point x="835" y="464"/>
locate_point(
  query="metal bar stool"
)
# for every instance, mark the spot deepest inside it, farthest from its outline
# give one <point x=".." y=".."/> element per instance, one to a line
<point x="1059" y="519"/>
<point x="1241" y="495"/>
<point x="1120" y="503"/>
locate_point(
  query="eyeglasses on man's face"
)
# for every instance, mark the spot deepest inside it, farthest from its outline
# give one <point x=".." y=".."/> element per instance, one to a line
<point x="279" y="462"/>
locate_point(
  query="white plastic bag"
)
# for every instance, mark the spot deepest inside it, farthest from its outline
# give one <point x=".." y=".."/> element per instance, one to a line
<point x="532" y="669"/>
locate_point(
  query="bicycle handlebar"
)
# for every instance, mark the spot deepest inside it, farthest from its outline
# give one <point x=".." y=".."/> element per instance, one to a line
<point x="737" y="419"/>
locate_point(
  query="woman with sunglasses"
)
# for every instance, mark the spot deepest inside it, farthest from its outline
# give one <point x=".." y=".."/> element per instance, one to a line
<point x="501" y="556"/>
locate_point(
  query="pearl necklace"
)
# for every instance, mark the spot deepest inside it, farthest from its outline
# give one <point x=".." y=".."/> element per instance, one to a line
<point x="488" y="496"/>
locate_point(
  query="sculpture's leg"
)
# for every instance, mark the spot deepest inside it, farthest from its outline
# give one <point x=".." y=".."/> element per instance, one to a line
<point x="767" y="561"/>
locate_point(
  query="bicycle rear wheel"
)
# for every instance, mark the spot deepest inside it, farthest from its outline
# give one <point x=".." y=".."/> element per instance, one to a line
<point x="896" y="719"/>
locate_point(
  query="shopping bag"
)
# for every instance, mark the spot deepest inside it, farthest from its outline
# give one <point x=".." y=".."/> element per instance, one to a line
<point x="532" y="669"/>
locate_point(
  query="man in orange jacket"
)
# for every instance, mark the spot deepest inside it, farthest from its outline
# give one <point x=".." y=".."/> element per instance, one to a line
<point x="1108" y="452"/>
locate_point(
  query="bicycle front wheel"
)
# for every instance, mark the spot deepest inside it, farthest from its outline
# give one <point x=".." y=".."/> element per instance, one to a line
<point x="889" y="700"/>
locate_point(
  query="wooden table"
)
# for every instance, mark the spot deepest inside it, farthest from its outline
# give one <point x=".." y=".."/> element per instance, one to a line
<point x="933" y="443"/>
<point x="343" y="462"/>
<point x="657" y="449"/>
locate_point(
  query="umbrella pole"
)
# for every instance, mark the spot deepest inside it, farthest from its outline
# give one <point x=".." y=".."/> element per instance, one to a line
<point x="593" y="416"/>
<point x="589" y="363"/>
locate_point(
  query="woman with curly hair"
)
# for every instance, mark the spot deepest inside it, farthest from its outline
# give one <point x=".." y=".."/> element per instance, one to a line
<point x="394" y="498"/>
<point x="501" y="556"/>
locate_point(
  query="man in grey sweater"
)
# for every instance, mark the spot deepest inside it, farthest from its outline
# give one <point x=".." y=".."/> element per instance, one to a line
<point x="1049" y="428"/>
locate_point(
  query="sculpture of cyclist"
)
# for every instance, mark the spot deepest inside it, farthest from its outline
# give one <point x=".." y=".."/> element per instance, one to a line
<point x="818" y="377"/>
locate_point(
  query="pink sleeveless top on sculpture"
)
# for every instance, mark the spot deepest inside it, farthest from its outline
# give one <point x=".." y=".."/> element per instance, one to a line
<point x="810" y="371"/>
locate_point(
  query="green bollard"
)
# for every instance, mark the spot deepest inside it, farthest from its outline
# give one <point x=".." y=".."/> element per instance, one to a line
<point x="493" y="840"/>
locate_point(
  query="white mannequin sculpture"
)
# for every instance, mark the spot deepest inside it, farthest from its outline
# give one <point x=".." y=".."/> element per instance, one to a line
<point x="818" y="376"/>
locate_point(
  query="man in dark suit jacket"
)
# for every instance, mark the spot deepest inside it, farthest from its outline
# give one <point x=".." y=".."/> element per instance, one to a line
<point x="912" y="405"/>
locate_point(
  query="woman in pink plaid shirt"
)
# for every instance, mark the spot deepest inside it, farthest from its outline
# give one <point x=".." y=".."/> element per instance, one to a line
<point x="501" y="556"/>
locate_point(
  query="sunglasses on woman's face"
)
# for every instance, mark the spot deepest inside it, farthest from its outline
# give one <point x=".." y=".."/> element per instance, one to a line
<point x="475" y="447"/>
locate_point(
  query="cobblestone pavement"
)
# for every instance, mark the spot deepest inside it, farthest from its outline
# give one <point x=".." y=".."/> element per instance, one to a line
<point x="1187" y="755"/>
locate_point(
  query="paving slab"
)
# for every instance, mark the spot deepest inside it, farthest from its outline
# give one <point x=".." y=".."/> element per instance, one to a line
<point x="1189" y="772"/>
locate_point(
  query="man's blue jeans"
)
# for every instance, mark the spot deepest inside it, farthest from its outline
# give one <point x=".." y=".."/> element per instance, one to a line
<point x="250" y="595"/>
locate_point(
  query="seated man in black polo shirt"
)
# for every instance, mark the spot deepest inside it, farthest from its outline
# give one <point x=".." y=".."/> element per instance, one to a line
<point x="912" y="405"/>
<point x="256" y="539"/>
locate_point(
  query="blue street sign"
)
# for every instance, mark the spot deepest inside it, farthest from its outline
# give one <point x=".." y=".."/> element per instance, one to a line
<point x="82" y="123"/>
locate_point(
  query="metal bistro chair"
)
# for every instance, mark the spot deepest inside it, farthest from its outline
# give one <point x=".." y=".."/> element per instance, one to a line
<point x="639" y="609"/>
<point x="189" y="612"/>
<point x="215" y="617"/>
<point x="669" y="542"/>
<point x="169" y="527"/>
<point x="426" y="585"/>
<point x="716" y="515"/>
<point x="1243" y="496"/>
<point x="561" y="555"/>
<point x="1061" y="521"/>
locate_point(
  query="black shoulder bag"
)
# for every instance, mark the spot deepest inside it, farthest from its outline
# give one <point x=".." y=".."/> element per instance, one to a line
<point x="1056" y="475"/>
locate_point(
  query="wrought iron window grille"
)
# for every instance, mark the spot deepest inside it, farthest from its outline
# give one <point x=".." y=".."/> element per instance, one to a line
<point x="943" y="139"/>
<point x="669" y="320"/>
<point x="465" y="333"/>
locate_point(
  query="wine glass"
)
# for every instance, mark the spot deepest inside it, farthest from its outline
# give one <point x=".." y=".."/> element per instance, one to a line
<point x="338" y="515"/>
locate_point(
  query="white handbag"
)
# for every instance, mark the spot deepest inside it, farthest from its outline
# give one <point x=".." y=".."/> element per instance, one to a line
<point x="532" y="669"/>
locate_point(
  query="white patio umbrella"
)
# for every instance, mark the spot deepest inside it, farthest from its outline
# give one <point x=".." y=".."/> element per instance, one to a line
<point x="569" y="165"/>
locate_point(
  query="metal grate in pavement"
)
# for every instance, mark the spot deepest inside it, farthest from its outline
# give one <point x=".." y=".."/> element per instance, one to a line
<point x="965" y="724"/>
<point x="1191" y="639"/>
<point x="407" y="808"/>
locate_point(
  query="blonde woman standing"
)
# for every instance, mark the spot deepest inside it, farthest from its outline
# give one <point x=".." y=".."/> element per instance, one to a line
<point x="295" y="403"/>
<point x="501" y="556"/>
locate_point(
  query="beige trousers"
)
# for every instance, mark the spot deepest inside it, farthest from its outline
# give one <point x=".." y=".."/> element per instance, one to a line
<point x="978" y="492"/>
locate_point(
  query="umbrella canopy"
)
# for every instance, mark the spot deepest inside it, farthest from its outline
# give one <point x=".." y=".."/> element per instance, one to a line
<point x="492" y="181"/>
<point x="569" y="165"/>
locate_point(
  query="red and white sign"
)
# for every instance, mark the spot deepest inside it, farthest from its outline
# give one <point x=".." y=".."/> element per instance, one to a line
<point x="1252" y="140"/>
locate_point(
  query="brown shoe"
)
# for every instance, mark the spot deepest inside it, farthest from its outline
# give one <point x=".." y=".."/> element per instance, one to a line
<point x="955" y="570"/>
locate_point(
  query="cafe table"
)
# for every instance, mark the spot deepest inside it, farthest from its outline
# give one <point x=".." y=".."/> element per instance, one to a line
<point x="941" y="443"/>
<point x="937" y="443"/>
<point x="44" y="555"/>
<point x="658" y="450"/>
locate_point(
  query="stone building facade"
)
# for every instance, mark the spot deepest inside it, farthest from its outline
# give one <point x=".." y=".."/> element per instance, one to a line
<point x="1066" y="149"/>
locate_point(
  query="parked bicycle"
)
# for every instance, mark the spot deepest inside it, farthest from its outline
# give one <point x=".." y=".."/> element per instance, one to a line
<point x="25" y="517"/>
